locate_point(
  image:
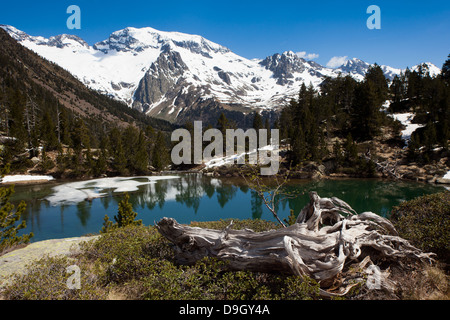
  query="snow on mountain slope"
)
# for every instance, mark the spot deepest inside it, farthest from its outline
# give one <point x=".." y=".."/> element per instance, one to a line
<point x="169" y="74"/>
<point x="427" y="67"/>
<point x="110" y="73"/>
<point x="358" y="68"/>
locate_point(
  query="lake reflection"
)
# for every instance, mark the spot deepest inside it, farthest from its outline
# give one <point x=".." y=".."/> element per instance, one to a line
<point x="186" y="198"/>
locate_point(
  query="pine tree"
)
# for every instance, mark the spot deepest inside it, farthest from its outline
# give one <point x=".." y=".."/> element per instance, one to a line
<point x="298" y="146"/>
<point x="338" y="153"/>
<point x="48" y="132"/>
<point x="9" y="217"/>
<point x="398" y="94"/>
<point x="366" y="116"/>
<point x="446" y="70"/>
<point x="108" y="225"/>
<point x="141" y="160"/>
<point x="120" y="162"/>
<point x="81" y="141"/>
<point x="160" y="155"/>
<point x="257" y="122"/>
<point x="130" y="143"/>
<point x="350" y="150"/>
<point x="267" y="127"/>
<point x="223" y="123"/>
<point x="125" y="215"/>
<point x="375" y="76"/>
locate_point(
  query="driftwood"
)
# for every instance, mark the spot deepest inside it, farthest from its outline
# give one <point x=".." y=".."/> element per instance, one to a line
<point x="387" y="167"/>
<point x="327" y="236"/>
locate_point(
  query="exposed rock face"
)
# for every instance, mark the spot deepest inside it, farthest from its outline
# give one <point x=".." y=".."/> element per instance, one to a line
<point x="283" y="66"/>
<point x="355" y="66"/>
<point x="15" y="262"/>
<point x="161" y="80"/>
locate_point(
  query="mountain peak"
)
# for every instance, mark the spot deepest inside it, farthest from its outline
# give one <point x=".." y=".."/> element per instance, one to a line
<point x="139" y="39"/>
<point x="59" y="41"/>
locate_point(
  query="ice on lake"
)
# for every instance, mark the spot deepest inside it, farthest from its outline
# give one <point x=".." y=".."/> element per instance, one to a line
<point x="75" y="192"/>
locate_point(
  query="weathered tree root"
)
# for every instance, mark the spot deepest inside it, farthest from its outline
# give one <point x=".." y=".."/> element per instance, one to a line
<point x="327" y="236"/>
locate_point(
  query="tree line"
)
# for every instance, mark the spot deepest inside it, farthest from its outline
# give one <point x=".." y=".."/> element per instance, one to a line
<point x="34" y="124"/>
<point x="348" y="112"/>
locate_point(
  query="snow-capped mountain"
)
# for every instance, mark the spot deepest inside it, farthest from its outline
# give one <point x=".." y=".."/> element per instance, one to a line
<point x="177" y="76"/>
<point x="358" y="68"/>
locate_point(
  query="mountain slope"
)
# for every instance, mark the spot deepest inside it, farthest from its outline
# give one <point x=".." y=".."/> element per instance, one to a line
<point x="31" y="73"/>
<point x="180" y="77"/>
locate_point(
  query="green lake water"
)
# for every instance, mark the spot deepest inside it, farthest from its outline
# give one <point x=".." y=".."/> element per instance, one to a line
<point x="58" y="210"/>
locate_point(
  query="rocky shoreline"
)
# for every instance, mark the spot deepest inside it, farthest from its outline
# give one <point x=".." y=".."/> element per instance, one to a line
<point x="433" y="174"/>
<point x="15" y="261"/>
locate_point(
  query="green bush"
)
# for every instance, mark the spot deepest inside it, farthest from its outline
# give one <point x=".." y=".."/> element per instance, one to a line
<point x="210" y="279"/>
<point x="127" y="253"/>
<point x="140" y="260"/>
<point x="138" y="263"/>
<point x="425" y="221"/>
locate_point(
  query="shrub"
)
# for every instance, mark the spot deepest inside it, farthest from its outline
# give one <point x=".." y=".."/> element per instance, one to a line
<point x="136" y="262"/>
<point x="126" y="253"/>
<point x="425" y="221"/>
<point x="139" y="261"/>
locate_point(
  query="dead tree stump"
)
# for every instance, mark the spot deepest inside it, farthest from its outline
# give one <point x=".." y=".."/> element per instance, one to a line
<point x="327" y="236"/>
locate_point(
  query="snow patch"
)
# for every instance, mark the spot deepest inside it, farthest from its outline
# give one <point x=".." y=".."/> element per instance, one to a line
<point x="405" y="119"/>
<point x="447" y="175"/>
<point x="24" y="178"/>
<point x="229" y="160"/>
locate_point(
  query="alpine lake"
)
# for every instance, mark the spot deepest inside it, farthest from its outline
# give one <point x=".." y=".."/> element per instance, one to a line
<point x="76" y="208"/>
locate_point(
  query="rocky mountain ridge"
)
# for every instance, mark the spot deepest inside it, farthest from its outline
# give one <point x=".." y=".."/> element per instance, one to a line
<point x="180" y="77"/>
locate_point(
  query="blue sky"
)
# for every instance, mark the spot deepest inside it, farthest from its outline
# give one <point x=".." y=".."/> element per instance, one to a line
<point x="411" y="31"/>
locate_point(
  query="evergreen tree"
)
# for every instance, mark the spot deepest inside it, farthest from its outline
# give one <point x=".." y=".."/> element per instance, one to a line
<point x="81" y="142"/>
<point x="223" y="123"/>
<point x="446" y="70"/>
<point x="125" y="215"/>
<point x="150" y="132"/>
<point x="141" y="160"/>
<point x="48" y="132"/>
<point x="9" y="218"/>
<point x="298" y="146"/>
<point x="366" y="117"/>
<point x="120" y="162"/>
<point x="101" y="165"/>
<point x="338" y="153"/>
<point x="397" y="91"/>
<point x="350" y="150"/>
<point x="267" y="127"/>
<point x="63" y="126"/>
<point x="16" y="120"/>
<point x="130" y="138"/>
<point x="257" y="122"/>
<point x="108" y="225"/>
<point x="375" y="76"/>
<point x="160" y="154"/>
